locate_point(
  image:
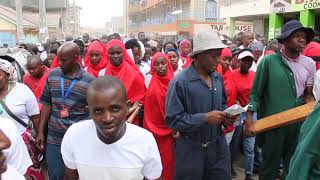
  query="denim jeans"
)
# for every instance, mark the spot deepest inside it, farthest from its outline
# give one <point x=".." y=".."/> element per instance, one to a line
<point x="55" y="162"/>
<point x="248" y="145"/>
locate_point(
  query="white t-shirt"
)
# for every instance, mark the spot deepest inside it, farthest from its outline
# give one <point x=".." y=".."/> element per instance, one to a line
<point x="102" y="72"/>
<point x="254" y="67"/>
<point x="133" y="157"/>
<point x="147" y="80"/>
<point x="316" y="86"/>
<point x="144" y="69"/>
<point x="12" y="174"/>
<point x="22" y="103"/>
<point x="17" y="155"/>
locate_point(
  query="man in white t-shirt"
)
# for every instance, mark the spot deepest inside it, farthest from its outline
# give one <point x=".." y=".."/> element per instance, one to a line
<point x="17" y="155"/>
<point x="106" y="147"/>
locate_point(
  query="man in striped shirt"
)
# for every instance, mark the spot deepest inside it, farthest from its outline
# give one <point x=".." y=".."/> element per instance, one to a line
<point x="64" y="103"/>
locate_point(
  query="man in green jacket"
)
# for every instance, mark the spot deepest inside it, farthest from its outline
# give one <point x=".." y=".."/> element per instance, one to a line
<point x="283" y="81"/>
<point x="305" y="162"/>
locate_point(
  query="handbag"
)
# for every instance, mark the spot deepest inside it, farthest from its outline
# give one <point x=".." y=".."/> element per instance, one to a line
<point x="35" y="172"/>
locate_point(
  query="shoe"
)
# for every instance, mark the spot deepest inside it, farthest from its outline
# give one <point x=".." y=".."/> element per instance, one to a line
<point x="248" y="177"/>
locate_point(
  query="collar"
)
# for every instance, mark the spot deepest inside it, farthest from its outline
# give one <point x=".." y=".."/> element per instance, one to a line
<point x="78" y="76"/>
<point x="284" y="56"/>
<point x="193" y="74"/>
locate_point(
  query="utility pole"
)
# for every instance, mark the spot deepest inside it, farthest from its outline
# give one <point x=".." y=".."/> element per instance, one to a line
<point x="126" y="16"/>
<point x="20" y="34"/>
<point x="43" y="30"/>
<point x="74" y="19"/>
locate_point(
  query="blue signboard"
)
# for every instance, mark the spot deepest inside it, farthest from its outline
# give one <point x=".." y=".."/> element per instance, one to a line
<point x="7" y="38"/>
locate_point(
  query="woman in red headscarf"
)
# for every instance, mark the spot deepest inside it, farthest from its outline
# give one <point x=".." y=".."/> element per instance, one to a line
<point x="154" y="111"/>
<point x="121" y="66"/>
<point x="96" y="58"/>
<point x="224" y="70"/>
<point x="185" y="48"/>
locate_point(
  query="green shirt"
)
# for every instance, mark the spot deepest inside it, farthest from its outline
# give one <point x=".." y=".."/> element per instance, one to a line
<point x="274" y="88"/>
<point x="305" y="163"/>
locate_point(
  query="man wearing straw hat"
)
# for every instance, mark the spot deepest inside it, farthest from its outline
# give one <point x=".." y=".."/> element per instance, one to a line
<point x="283" y="81"/>
<point x="194" y="107"/>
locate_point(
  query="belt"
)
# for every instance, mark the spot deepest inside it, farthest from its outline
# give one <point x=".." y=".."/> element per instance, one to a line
<point x="196" y="138"/>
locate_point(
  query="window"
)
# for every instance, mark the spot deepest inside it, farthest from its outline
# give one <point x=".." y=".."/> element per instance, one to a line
<point x="211" y="9"/>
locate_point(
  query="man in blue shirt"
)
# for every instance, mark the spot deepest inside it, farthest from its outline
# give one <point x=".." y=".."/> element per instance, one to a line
<point x="64" y="103"/>
<point x="195" y="100"/>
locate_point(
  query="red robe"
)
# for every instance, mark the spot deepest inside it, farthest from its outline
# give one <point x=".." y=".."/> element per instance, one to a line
<point x="230" y="90"/>
<point x="154" y="116"/>
<point x="129" y="74"/>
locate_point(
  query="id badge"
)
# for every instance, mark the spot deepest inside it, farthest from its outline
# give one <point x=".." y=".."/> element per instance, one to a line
<point x="64" y="113"/>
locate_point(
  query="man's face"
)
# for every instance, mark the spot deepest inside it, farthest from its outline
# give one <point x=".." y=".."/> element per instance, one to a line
<point x="208" y="60"/>
<point x="141" y="36"/>
<point x="238" y="40"/>
<point x="154" y="50"/>
<point x="245" y="64"/>
<point x="51" y="57"/>
<point x="105" y="40"/>
<point x="247" y="39"/>
<point x="35" y="69"/>
<point x="115" y="55"/>
<point x="147" y="54"/>
<point x="85" y="38"/>
<point x="54" y="46"/>
<point x="67" y="60"/>
<point x="296" y="42"/>
<point x="136" y="54"/>
<point x="108" y="110"/>
<point x="168" y="46"/>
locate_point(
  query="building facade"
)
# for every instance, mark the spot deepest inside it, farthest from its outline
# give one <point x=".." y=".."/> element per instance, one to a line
<point x="170" y="17"/>
<point x="61" y="18"/>
<point x="268" y="16"/>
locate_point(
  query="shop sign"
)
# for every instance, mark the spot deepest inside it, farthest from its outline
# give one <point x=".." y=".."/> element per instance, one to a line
<point x="222" y="28"/>
<point x="278" y="6"/>
<point x="299" y="5"/>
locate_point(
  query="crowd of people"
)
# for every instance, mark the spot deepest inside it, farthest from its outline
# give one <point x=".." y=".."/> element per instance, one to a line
<point x="126" y="108"/>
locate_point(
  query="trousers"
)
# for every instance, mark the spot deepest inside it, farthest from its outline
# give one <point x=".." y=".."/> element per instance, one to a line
<point x="196" y="160"/>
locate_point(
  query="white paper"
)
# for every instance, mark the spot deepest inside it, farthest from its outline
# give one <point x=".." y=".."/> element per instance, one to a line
<point x="236" y="109"/>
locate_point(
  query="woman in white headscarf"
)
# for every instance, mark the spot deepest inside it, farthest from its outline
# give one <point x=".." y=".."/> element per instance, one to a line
<point x="18" y="97"/>
<point x="22" y="103"/>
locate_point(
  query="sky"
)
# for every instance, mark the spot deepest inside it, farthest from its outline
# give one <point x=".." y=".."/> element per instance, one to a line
<point x="95" y="13"/>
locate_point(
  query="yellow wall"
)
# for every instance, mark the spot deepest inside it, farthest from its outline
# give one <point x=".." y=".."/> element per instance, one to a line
<point x="5" y="25"/>
<point x="246" y="8"/>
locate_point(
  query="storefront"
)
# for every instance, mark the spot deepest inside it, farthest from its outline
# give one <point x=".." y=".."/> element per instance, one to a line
<point x="307" y="11"/>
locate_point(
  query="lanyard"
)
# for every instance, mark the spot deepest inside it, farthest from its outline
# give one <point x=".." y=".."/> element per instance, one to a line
<point x="68" y="90"/>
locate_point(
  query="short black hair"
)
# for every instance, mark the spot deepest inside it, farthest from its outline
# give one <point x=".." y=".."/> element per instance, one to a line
<point x="36" y="57"/>
<point x="132" y="43"/>
<point x="116" y="35"/>
<point x="107" y="82"/>
<point x="174" y="45"/>
<point x="53" y="51"/>
<point x="56" y="42"/>
<point x="146" y="45"/>
<point x="140" y="33"/>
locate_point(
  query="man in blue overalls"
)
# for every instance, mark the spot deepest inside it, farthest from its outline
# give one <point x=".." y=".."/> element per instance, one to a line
<point x="195" y="100"/>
